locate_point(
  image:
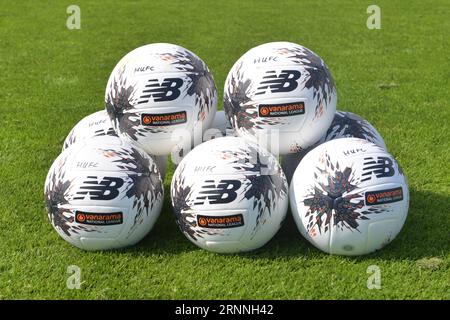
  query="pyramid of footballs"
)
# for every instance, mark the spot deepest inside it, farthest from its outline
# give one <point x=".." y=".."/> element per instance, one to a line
<point x="229" y="192"/>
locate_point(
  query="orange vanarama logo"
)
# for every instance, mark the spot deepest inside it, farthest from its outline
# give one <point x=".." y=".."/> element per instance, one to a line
<point x="220" y="222"/>
<point x="264" y="111"/>
<point x="282" y="109"/>
<point x="165" y="119"/>
<point x="384" y="196"/>
<point x="202" y="222"/>
<point x="371" y="198"/>
<point x="146" y="119"/>
<point x="101" y="219"/>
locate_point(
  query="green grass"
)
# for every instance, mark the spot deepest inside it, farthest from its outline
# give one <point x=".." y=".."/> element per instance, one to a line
<point x="396" y="77"/>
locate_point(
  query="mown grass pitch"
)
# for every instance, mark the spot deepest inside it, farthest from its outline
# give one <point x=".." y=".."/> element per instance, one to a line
<point x="51" y="77"/>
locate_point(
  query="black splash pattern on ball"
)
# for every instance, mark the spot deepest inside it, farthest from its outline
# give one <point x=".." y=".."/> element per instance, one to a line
<point x="181" y="206"/>
<point x="239" y="108"/>
<point x="144" y="185"/>
<point x="202" y="84"/>
<point x="266" y="190"/>
<point x="347" y="124"/>
<point x="334" y="199"/>
<point x="319" y="79"/>
<point x="119" y="100"/>
<point x="237" y="103"/>
<point x="70" y="140"/>
<point x="56" y="196"/>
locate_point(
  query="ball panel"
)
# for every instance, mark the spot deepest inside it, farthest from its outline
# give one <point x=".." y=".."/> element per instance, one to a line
<point x="380" y="233"/>
<point x="90" y="244"/>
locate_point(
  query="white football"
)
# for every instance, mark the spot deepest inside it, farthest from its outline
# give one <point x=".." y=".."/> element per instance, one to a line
<point x="161" y="97"/>
<point x="349" y="197"/>
<point x="103" y="194"/>
<point x="281" y="95"/>
<point x="344" y="125"/>
<point x="229" y="195"/>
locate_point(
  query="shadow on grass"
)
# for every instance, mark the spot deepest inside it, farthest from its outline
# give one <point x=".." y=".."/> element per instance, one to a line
<point x="425" y="234"/>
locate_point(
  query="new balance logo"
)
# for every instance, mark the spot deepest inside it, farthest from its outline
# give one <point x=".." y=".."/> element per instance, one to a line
<point x="286" y="81"/>
<point x="105" y="132"/>
<point x="223" y="192"/>
<point x="168" y="90"/>
<point x="381" y="167"/>
<point x="106" y="189"/>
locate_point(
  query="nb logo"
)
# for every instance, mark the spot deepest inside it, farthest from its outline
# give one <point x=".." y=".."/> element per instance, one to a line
<point x="102" y="132"/>
<point x="286" y="81"/>
<point x="106" y="189"/>
<point x="223" y="192"/>
<point x="168" y="90"/>
<point x="381" y="167"/>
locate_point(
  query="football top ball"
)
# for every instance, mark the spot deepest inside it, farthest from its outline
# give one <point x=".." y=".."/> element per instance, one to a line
<point x="103" y="194"/>
<point x="229" y="195"/>
<point x="160" y="96"/>
<point x="344" y="125"/>
<point x="280" y="94"/>
<point x="98" y="124"/>
<point x="349" y="197"/>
